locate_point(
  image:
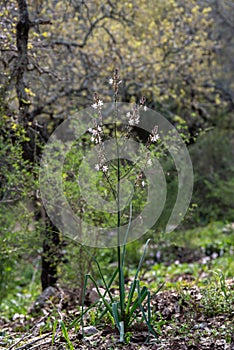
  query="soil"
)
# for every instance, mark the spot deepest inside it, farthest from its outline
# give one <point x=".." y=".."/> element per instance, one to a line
<point x="182" y="324"/>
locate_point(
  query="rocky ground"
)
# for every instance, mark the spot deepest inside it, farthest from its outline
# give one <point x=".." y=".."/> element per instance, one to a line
<point x="180" y="319"/>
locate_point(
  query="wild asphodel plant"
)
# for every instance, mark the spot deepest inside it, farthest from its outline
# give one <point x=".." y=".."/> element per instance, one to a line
<point x="134" y="300"/>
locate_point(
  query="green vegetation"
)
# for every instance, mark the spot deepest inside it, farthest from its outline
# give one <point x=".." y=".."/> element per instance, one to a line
<point x="56" y="56"/>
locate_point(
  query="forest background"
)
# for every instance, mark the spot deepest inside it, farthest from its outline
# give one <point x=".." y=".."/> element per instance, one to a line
<point x="54" y="56"/>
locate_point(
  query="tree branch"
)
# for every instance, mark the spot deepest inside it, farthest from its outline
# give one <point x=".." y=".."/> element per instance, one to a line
<point x="40" y="21"/>
<point x="22" y="30"/>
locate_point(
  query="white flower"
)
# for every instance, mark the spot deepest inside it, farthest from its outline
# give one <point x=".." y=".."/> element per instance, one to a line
<point x="97" y="167"/>
<point x="205" y="260"/>
<point x="95" y="106"/>
<point x="98" y="140"/>
<point x="128" y="115"/>
<point x="214" y="255"/>
<point x="145" y="108"/>
<point x="105" y="168"/>
<point x="134" y="117"/>
<point x="149" y="162"/>
<point x="94" y="132"/>
<point x="98" y="104"/>
<point x="137" y="120"/>
<point x="131" y="121"/>
<point x="111" y="81"/>
<point x="154" y="138"/>
<point x="143" y="183"/>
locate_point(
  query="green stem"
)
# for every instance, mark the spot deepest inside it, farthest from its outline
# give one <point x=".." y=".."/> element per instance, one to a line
<point x="119" y="251"/>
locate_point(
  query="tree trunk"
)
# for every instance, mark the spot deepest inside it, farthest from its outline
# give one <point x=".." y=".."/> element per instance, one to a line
<point x="31" y="151"/>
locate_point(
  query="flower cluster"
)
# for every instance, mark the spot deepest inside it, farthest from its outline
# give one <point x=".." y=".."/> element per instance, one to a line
<point x="102" y="161"/>
<point x="103" y="168"/>
<point x="134" y="115"/>
<point x="98" y="103"/>
<point x="96" y="134"/>
<point x="155" y="136"/>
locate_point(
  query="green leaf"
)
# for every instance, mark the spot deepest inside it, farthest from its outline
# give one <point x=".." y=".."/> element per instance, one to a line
<point x="66" y="336"/>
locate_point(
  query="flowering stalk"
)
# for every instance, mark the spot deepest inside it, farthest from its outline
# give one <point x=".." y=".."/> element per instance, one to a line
<point x="122" y="310"/>
<point x="116" y="81"/>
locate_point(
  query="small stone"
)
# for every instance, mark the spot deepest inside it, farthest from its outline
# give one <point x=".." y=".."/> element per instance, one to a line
<point x="90" y="330"/>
